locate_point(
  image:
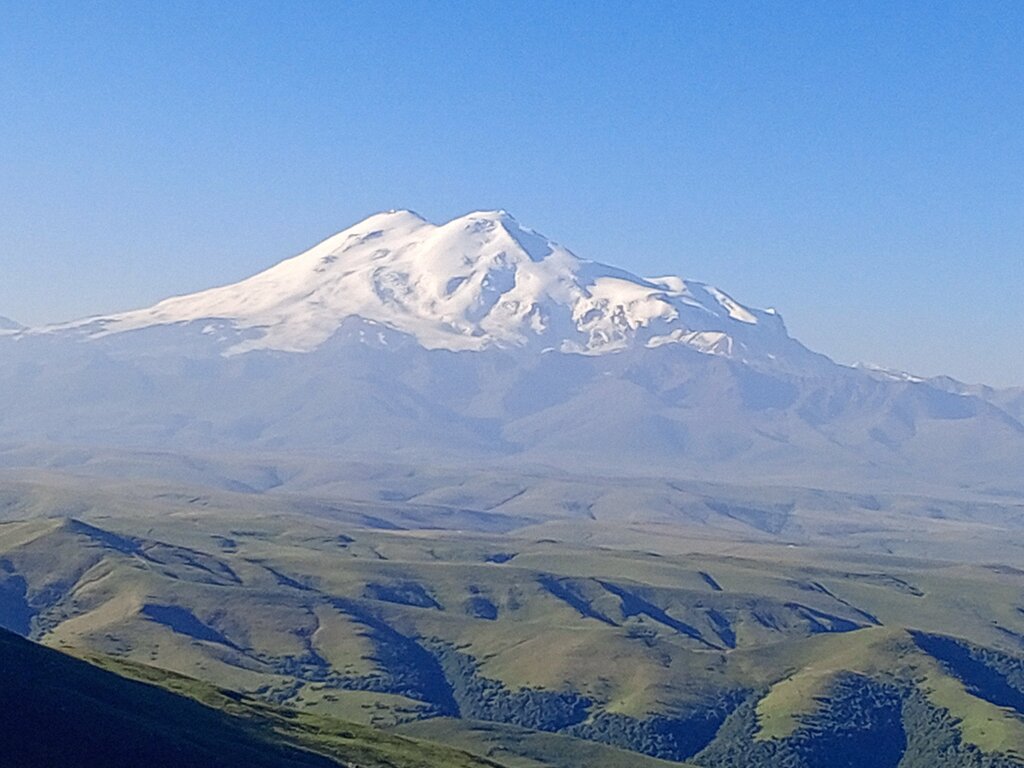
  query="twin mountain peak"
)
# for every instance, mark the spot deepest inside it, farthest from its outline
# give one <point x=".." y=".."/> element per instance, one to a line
<point x="477" y="282"/>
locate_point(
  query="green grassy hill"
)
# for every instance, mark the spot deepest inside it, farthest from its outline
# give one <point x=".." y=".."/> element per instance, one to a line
<point x="60" y="711"/>
<point x="537" y="651"/>
<point x="523" y="748"/>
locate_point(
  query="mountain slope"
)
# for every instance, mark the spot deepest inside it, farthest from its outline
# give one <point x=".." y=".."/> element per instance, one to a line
<point x="107" y="719"/>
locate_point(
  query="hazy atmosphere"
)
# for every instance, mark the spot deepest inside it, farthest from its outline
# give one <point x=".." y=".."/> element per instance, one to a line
<point x="858" y="166"/>
<point x="511" y="385"/>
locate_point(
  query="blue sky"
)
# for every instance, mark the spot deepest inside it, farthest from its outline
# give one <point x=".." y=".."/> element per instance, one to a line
<point x="858" y="166"/>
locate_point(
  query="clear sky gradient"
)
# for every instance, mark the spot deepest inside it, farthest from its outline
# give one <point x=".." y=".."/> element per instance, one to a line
<point x="858" y="166"/>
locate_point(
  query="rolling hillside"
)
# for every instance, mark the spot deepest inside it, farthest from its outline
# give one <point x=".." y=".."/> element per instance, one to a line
<point x="706" y="651"/>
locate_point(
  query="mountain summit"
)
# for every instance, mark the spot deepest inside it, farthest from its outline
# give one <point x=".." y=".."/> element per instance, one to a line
<point x="476" y="282"/>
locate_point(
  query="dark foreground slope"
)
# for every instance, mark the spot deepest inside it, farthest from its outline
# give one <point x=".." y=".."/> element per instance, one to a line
<point x="60" y="711"/>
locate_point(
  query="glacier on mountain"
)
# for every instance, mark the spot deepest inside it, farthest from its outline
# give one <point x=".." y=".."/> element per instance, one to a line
<point x="476" y="282"/>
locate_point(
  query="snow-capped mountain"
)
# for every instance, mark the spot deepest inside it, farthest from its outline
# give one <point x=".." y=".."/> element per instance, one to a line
<point x="481" y="340"/>
<point x="887" y="374"/>
<point x="480" y="281"/>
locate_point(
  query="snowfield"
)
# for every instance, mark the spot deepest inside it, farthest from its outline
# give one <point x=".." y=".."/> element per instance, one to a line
<point x="478" y="281"/>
